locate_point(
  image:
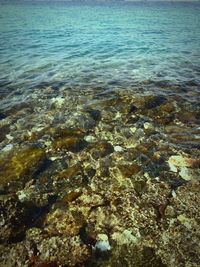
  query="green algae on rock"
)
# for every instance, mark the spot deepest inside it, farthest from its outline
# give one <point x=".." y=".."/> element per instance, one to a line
<point x="18" y="164"/>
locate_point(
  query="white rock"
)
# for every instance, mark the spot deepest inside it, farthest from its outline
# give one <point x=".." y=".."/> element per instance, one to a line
<point x="133" y="129"/>
<point x="118" y="115"/>
<point x="126" y="237"/>
<point x="58" y="101"/>
<point x="9" y="137"/>
<point x="90" y="138"/>
<point x="103" y="245"/>
<point x="172" y="167"/>
<point x="118" y="148"/>
<point x="7" y="148"/>
<point x="185" y="174"/>
<point x="180" y="161"/>
<point x="173" y="193"/>
<point x="21" y="196"/>
<point x="185" y="221"/>
<point x="102" y="237"/>
<point x="148" y="125"/>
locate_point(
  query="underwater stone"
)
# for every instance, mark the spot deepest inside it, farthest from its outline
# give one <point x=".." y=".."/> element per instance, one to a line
<point x="17" y="254"/>
<point x="7" y="148"/>
<point x="187" y="116"/>
<point x="153" y="101"/>
<point x="126" y="237"/>
<point x="57" y="102"/>
<point x="20" y="164"/>
<point x="90" y="138"/>
<point x="65" y="251"/>
<point x="101" y="149"/>
<point x="73" y="144"/>
<point x="127" y="170"/>
<point x="118" y="149"/>
<point x="179" y="242"/>
<point x="81" y="120"/>
<point x="133" y="255"/>
<point x="69" y="172"/>
<point x="148" y="126"/>
<point x="181" y="161"/>
<point x="71" y="196"/>
<point x="63" y="222"/>
<point x="102" y="243"/>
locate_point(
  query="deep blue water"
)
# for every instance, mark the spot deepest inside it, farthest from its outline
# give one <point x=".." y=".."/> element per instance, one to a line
<point x="109" y="45"/>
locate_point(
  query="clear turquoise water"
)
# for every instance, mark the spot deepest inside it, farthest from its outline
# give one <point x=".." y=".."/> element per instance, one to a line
<point x="99" y="45"/>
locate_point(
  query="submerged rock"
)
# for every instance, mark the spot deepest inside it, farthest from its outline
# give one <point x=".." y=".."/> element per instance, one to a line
<point x="179" y="242"/>
<point x="14" y="220"/>
<point x="20" y="164"/>
<point x="63" y="222"/>
<point x="54" y="251"/>
<point x="115" y="191"/>
<point x="64" y="251"/>
<point x="73" y="144"/>
<point x="100" y="149"/>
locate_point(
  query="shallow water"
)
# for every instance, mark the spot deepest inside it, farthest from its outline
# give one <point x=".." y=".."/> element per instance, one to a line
<point x="109" y="45"/>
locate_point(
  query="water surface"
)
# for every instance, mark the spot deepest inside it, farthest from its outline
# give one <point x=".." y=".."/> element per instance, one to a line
<point x="116" y="45"/>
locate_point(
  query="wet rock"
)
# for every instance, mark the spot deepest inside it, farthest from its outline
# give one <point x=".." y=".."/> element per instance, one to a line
<point x="118" y="149"/>
<point x="70" y="139"/>
<point x="139" y="184"/>
<point x="20" y="164"/>
<point x="64" y="132"/>
<point x="153" y="101"/>
<point x="57" y="102"/>
<point x="11" y="108"/>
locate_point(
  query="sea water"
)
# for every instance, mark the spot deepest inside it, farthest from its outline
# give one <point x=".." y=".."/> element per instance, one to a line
<point x="107" y="45"/>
